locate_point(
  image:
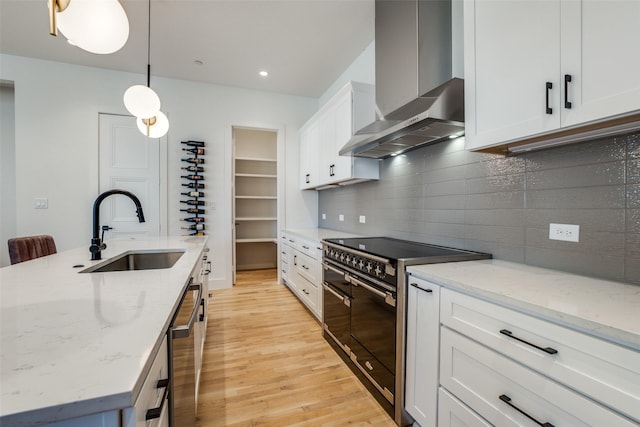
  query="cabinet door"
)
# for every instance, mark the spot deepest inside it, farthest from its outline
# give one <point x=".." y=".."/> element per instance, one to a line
<point x="309" y="152"/>
<point x="512" y="49"/>
<point x="327" y="146"/>
<point x="600" y="53"/>
<point x="343" y="109"/>
<point x="423" y="325"/>
<point x="453" y="413"/>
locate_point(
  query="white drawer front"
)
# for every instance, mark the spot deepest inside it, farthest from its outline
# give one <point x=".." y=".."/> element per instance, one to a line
<point x="308" y="268"/>
<point x="151" y="395"/>
<point x="453" y="413"/>
<point x="604" y="371"/>
<point x="479" y="376"/>
<point x="308" y="247"/>
<point x="309" y="294"/>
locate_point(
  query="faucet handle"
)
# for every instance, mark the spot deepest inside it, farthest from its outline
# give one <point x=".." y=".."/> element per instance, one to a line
<point x="105" y="228"/>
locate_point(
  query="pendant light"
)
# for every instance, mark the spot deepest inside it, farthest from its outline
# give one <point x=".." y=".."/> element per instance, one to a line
<point x="142" y="101"/>
<point x="97" y="26"/>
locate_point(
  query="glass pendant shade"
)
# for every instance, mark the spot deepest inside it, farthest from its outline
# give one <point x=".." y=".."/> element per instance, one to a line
<point x="157" y="129"/>
<point x="141" y="101"/>
<point x="97" y="26"/>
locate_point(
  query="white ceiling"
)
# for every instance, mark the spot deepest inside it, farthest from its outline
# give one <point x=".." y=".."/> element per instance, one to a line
<point x="304" y="44"/>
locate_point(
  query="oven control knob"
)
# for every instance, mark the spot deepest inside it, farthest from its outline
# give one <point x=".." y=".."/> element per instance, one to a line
<point x="354" y="261"/>
<point x="347" y="259"/>
<point x="369" y="267"/>
<point x="361" y="264"/>
<point x="342" y="256"/>
<point x="378" y="270"/>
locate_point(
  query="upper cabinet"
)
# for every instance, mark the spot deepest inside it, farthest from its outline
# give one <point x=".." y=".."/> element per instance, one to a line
<point x="322" y="137"/>
<point x="538" y="67"/>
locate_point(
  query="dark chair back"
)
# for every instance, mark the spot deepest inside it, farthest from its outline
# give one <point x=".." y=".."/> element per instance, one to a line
<point x="30" y="247"/>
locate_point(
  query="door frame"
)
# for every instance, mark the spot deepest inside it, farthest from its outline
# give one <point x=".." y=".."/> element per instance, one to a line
<point x="229" y="144"/>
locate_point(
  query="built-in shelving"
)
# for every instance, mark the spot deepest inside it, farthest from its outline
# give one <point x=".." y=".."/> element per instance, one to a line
<point x="255" y="198"/>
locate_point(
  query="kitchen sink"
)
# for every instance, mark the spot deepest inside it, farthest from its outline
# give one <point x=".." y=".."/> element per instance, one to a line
<point x="138" y="260"/>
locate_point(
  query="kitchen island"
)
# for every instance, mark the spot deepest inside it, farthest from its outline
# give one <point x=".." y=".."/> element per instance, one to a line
<point x="75" y="344"/>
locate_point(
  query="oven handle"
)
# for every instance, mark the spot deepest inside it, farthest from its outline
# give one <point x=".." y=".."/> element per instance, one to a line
<point x="388" y="298"/>
<point x="345" y="300"/>
<point x="335" y="270"/>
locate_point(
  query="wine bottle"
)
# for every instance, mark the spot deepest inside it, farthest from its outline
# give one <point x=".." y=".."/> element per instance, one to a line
<point x="193" y="211"/>
<point x="194" y="219"/>
<point x="199" y="151"/>
<point x="193" y="185"/>
<point x="194" y="227"/>
<point x="197" y="233"/>
<point x="193" y="194"/>
<point x="194" y="143"/>
<point x="196" y="160"/>
<point x="193" y="202"/>
<point x="193" y="168"/>
<point x="192" y="177"/>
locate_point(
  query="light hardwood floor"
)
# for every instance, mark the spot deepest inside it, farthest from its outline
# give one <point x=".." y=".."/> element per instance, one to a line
<point x="266" y="364"/>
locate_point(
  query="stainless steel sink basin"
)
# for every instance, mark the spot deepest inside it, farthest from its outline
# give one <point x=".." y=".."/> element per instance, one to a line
<point x="138" y="260"/>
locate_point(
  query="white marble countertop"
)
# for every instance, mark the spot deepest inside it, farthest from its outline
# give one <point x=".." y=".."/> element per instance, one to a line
<point x="610" y="310"/>
<point x="318" y="234"/>
<point x="73" y="343"/>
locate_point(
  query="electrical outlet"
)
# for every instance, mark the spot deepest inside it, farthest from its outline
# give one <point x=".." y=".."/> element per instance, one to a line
<point x="566" y="232"/>
<point x="324" y="216"/>
<point x="362" y="219"/>
<point x="340" y="217"/>
<point x="41" y="203"/>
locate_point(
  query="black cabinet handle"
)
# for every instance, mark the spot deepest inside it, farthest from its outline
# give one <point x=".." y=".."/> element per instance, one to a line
<point x="203" y="313"/>
<point x="567" y="80"/>
<point x="415" y="285"/>
<point x="548" y="350"/>
<point x="506" y="399"/>
<point x="156" y="412"/>
<point x="331" y="172"/>
<point x="306" y="178"/>
<point x="549" y="86"/>
<point x="295" y="260"/>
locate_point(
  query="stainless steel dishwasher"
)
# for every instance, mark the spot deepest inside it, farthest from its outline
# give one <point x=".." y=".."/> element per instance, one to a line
<point x="182" y="395"/>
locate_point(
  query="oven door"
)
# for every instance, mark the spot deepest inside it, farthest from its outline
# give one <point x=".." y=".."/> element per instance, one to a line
<point x="336" y="306"/>
<point x="373" y="320"/>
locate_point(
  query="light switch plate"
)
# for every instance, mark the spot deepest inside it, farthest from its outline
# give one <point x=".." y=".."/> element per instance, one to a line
<point x="324" y="216"/>
<point x="362" y="219"/>
<point x="340" y="217"/>
<point x="565" y="232"/>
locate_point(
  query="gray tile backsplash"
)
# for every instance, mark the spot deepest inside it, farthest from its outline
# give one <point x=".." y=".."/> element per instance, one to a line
<point x="445" y="195"/>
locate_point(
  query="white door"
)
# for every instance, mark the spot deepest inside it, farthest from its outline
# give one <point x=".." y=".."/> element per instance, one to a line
<point x="130" y="161"/>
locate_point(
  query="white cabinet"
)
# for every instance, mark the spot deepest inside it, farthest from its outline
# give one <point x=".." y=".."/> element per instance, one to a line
<point x="322" y="137"/>
<point x="453" y="413"/>
<point x="564" y="63"/>
<point x="423" y="330"/>
<point x="203" y="268"/>
<point x="303" y="270"/>
<point x="500" y="362"/>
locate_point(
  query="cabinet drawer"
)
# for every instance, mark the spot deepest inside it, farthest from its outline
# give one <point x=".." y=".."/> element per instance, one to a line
<point x="484" y="380"/>
<point x="309" y="294"/>
<point x="453" y="413"/>
<point x="152" y="393"/>
<point x="602" y="370"/>
<point x="308" y="247"/>
<point x="308" y="268"/>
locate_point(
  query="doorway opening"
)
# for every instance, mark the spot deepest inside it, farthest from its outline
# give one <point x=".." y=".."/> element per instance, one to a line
<point x="255" y="199"/>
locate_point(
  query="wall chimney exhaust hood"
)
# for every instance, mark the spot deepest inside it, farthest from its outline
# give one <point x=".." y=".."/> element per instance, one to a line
<point x="419" y="99"/>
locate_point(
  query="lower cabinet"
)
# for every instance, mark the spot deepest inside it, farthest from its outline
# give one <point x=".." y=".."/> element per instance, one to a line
<point x="496" y="365"/>
<point x="423" y="330"/>
<point x="300" y="263"/>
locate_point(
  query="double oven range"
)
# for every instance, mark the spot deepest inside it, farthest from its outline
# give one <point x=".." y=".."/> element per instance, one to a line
<point x="364" y="288"/>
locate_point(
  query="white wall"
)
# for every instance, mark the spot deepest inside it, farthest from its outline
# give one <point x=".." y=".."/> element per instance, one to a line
<point x="7" y="171"/>
<point x="56" y="134"/>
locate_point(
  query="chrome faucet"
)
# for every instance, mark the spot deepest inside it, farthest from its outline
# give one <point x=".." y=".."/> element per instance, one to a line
<point x="96" y="242"/>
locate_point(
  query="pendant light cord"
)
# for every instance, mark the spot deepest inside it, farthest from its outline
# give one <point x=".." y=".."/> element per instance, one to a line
<point x="149" y="46"/>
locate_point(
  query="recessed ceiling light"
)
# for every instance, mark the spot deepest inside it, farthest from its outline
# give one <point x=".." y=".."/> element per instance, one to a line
<point x="263" y="73"/>
<point x="198" y="62"/>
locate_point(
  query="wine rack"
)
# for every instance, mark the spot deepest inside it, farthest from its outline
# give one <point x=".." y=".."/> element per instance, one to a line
<point x="193" y="196"/>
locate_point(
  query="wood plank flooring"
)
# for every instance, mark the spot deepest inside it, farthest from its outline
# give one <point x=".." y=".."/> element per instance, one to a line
<point x="266" y="364"/>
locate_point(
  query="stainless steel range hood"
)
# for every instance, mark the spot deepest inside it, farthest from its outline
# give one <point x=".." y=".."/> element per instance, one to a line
<point x="419" y="100"/>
